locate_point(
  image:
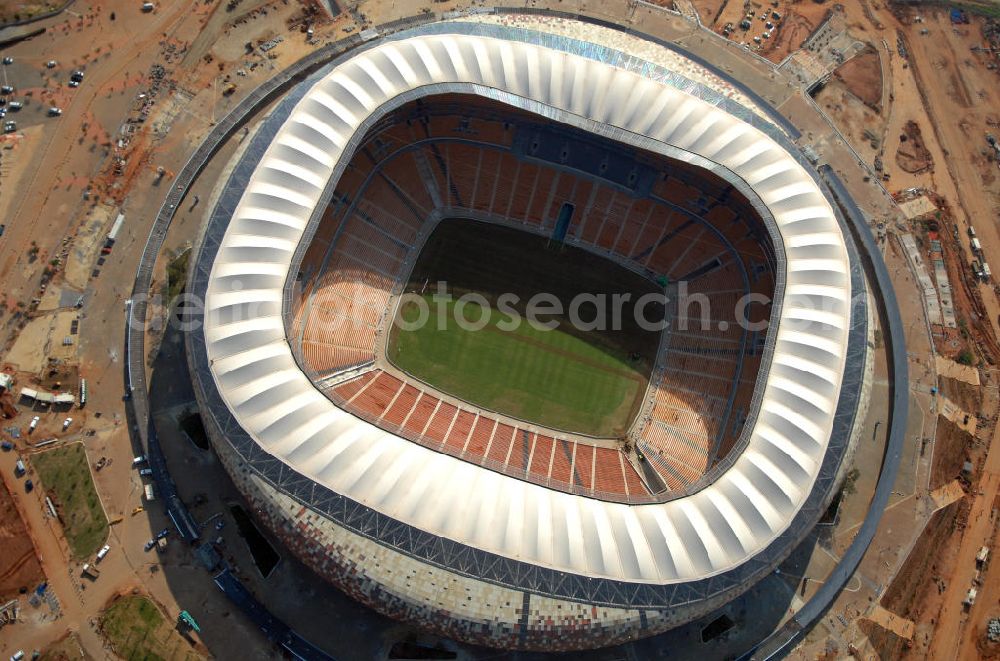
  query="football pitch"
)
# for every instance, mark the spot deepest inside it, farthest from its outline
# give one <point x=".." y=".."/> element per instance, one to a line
<point x="590" y="382"/>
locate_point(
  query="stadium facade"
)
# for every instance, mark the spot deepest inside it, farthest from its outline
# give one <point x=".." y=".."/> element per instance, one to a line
<point x="477" y="553"/>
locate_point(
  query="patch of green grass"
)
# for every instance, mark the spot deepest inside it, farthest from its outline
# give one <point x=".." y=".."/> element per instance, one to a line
<point x="549" y="377"/>
<point x="66" y="476"/>
<point x="17" y="11"/>
<point x="136" y="630"/>
<point x="177" y="274"/>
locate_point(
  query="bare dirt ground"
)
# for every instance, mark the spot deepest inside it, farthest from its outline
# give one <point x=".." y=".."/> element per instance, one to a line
<point x="966" y="396"/>
<point x="66" y="649"/>
<point x="710" y="10"/>
<point x="862" y="77"/>
<point x="916" y="591"/>
<point x="797" y="20"/>
<point x="912" y="155"/>
<point x="952" y="448"/>
<point x="19" y="567"/>
<point x="852" y="116"/>
<point x="798" y="23"/>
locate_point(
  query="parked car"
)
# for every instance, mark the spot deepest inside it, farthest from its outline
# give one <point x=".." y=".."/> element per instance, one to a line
<point x="54" y="111"/>
<point x="6" y="89"/>
<point x="146" y="472"/>
<point x="74" y="83"/>
<point x="149" y="545"/>
<point x="15" y="105"/>
<point x="7" y="446"/>
<point x="163" y="533"/>
<point x="9" y="127"/>
<point x="51" y="64"/>
<point x="103" y="552"/>
<point x="29" y="486"/>
<point x="8" y="60"/>
<point x="141" y="459"/>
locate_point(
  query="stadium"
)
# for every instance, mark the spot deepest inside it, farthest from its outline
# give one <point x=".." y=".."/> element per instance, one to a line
<point x="525" y="488"/>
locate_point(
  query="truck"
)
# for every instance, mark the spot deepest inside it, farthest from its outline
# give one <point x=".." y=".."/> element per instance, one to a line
<point x="982" y="556"/>
<point x="150" y="493"/>
<point x="113" y="234"/>
<point x="91" y="571"/>
<point x="976" y="246"/>
<point x="986" y="272"/>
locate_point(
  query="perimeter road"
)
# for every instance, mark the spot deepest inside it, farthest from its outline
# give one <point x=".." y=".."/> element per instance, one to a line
<point x="780" y="642"/>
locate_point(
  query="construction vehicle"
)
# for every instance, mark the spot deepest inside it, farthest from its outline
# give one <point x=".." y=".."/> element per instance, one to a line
<point x="138" y="509"/>
<point x="229" y="89"/>
<point x="113" y="234"/>
<point x="186" y="619"/>
<point x="91" y="571"/>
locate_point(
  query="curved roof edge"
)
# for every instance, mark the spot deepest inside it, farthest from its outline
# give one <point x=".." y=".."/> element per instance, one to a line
<point x="725" y="525"/>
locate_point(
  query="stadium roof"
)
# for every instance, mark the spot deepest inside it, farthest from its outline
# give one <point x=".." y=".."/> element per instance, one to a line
<point x="704" y="534"/>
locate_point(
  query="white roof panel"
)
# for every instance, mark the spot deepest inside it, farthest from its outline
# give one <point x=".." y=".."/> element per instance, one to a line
<point x="706" y="533"/>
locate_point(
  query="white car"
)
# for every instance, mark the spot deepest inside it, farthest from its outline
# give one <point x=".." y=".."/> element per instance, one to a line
<point x="66" y="423"/>
<point x="55" y="112"/>
<point x="34" y="421"/>
<point x="51" y="64"/>
<point x="8" y="60"/>
<point x="74" y="83"/>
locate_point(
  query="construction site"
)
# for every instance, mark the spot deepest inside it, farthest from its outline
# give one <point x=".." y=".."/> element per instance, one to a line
<point x="899" y="100"/>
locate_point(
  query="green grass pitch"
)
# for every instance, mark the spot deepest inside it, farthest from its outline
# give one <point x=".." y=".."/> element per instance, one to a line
<point x="586" y="382"/>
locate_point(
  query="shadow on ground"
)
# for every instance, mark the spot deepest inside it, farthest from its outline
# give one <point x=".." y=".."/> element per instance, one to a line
<point x="339" y="625"/>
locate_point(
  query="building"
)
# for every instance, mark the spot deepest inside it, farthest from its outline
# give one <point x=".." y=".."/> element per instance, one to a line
<point x="428" y="522"/>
